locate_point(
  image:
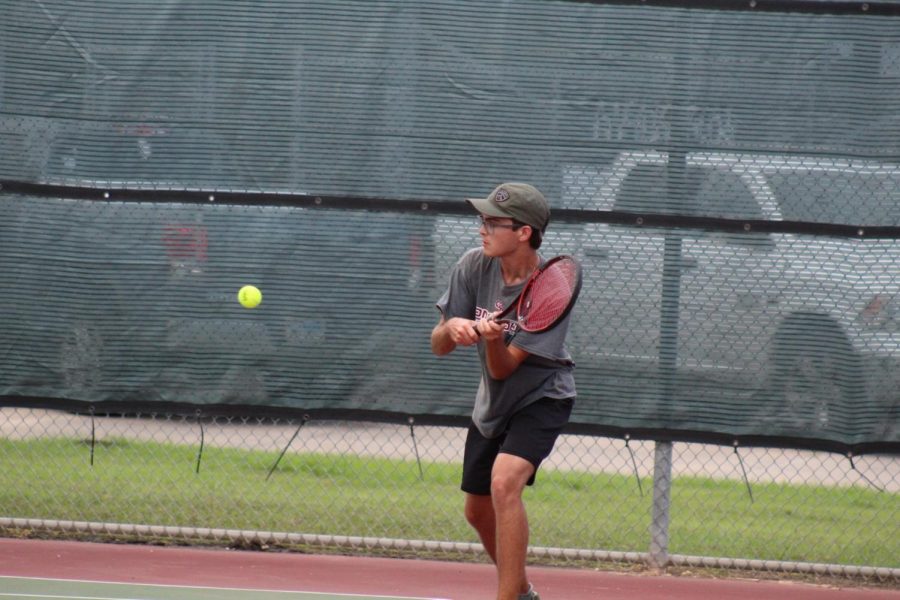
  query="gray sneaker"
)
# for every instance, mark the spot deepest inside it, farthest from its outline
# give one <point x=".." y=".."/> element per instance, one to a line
<point x="530" y="594"/>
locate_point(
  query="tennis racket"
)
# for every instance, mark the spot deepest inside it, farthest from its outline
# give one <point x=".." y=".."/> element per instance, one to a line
<point x="548" y="296"/>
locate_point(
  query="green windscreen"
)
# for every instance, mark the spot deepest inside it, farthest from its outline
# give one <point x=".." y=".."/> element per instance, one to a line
<point x="728" y="176"/>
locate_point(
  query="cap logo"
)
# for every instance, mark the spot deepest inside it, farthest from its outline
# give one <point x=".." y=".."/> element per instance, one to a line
<point x="501" y="196"/>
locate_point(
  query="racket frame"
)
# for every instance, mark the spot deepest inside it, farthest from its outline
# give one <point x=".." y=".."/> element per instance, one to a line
<point x="517" y="303"/>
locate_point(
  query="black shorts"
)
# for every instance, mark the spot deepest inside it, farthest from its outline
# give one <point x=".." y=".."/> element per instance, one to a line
<point x="530" y="434"/>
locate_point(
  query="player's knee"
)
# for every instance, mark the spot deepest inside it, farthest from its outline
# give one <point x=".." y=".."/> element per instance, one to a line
<point x="506" y="487"/>
<point x="509" y="477"/>
<point x="474" y="517"/>
<point x="479" y="512"/>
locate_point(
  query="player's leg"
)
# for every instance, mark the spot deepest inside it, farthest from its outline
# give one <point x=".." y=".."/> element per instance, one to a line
<point x="478" y="462"/>
<point x="510" y="475"/>
<point x="480" y="515"/>
<point x="530" y="436"/>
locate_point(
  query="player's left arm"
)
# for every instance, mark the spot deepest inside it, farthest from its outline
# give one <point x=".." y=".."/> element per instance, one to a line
<point x="501" y="359"/>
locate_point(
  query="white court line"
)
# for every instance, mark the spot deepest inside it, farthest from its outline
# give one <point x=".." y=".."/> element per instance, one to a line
<point x="23" y="595"/>
<point x="185" y="587"/>
<point x="67" y="597"/>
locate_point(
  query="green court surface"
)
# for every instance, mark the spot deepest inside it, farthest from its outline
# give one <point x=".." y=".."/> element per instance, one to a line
<point x="36" y="588"/>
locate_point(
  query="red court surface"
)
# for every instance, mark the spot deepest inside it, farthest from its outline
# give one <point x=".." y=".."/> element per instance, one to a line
<point x="375" y="576"/>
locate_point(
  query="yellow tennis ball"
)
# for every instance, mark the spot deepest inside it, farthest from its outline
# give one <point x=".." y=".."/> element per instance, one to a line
<point x="249" y="296"/>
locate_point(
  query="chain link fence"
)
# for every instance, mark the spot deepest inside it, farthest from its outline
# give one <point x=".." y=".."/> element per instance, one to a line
<point x="393" y="488"/>
<point x="729" y="180"/>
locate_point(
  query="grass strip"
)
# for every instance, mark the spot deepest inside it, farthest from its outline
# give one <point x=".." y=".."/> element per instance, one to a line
<point x="153" y="483"/>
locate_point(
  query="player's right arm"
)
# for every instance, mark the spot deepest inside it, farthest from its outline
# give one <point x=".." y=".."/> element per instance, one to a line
<point x="453" y="332"/>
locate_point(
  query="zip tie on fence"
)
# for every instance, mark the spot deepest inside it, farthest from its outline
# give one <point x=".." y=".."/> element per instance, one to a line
<point x="634" y="464"/>
<point x="303" y="421"/>
<point x="743" y="471"/>
<point x="861" y="474"/>
<point x="202" y="439"/>
<point x="93" y="433"/>
<point x="412" y="434"/>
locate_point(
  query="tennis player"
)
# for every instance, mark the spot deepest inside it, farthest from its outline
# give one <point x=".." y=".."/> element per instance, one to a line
<point x="527" y="387"/>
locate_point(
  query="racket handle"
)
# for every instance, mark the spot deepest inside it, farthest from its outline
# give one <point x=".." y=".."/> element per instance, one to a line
<point x="478" y="333"/>
<point x="475" y="327"/>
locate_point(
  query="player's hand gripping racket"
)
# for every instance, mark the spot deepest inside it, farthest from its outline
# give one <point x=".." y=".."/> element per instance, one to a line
<point x="548" y="296"/>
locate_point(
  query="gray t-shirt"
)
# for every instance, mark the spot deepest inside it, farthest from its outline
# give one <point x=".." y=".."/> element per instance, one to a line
<point x="476" y="289"/>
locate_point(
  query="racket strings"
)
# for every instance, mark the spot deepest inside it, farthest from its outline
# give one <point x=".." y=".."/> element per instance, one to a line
<point x="549" y="295"/>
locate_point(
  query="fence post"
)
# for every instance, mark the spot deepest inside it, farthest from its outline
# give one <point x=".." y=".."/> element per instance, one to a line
<point x="662" y="495"/>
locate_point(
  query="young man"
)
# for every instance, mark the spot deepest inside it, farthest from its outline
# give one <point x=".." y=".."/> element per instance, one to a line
<point x="527" y="387"/>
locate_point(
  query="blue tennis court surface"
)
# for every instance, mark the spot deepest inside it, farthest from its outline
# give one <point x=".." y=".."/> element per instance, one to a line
<point x="38" y="588"/>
